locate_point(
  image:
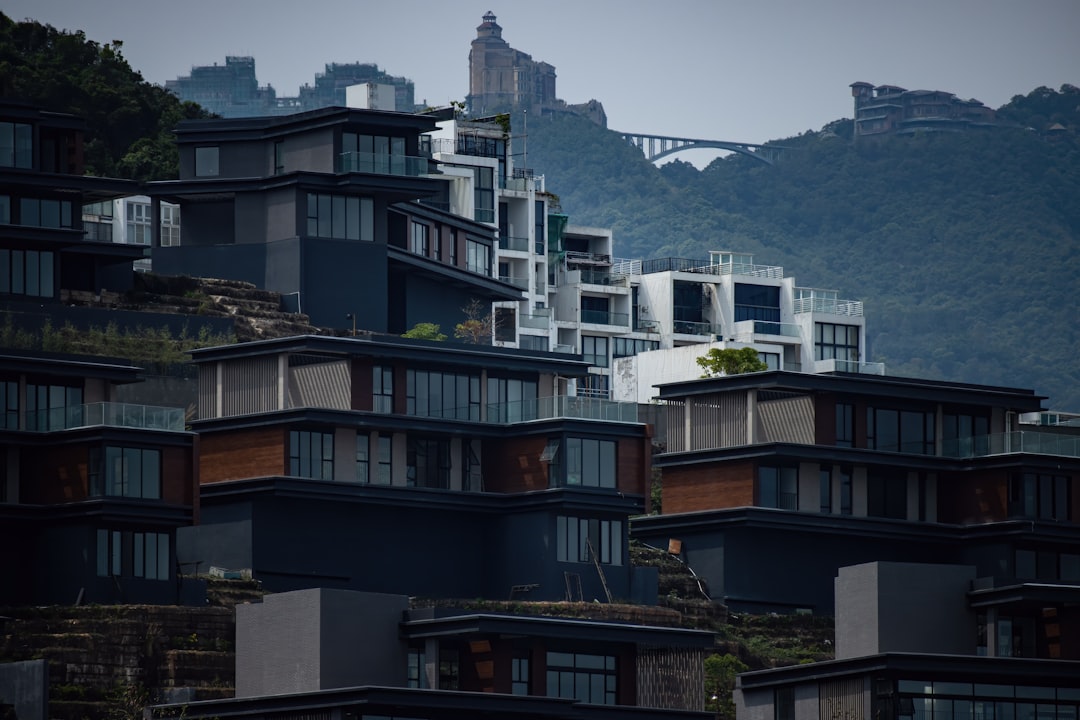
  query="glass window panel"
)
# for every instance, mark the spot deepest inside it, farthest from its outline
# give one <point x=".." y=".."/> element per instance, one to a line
<point x="102" y="552"/>
<point x="139" y="563"/>
<point x="151" y="474"/>
<point x="325" y="228"/>
<point x="164" y="557"/>
<point x="352" y="218"/>
<point x="337" y="229"/>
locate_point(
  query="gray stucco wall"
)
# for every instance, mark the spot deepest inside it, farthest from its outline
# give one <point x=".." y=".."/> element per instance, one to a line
<point x="319" y="639"/>
<point x="904" y="607"/>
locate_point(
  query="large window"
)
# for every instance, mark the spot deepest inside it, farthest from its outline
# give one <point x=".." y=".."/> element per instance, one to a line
<point x="170" y="225"/>
<point x="125" y="472"/>
<point x="343" y="217"/>
<point x="583" y="461"/>
<point x="778" y="487"/>
<point x="595" y="386"/>
<point x="442" y="395"/>
<point x="484" y="195"/>
<point x="477" y="257"/>
<point x="97" y="219"/>
<point x="575" y="535"/>
<point x="133" y="554"/>
<point x="1040" y="496"/>
<point x="138" y="223"/>
<point x="37" y="212"/>
<point x="588" y="678"/>
<point x="420" y="242"/>
<point x="596" y="310"/>
<point x="908" y="431"/>
<point x="965" y="433"/>
<point x="594" y="350"/>
<point x="428" y="463"/>
<point x="836" y="342"/>
<point x="886" y="494"/>
<point x="511" y="399"/>
<point x="16" y="145"/>
<point x="311" y="454"/>
<point x="625" y="347"/>
<point x="757" y="302"/>
<point x="206" y="162"/>
<point x="381" y="154"/>
<point x="519" y="675"/>
<point x="27" y="272"/>
<point x="53" y="407"/>
<point x="845" y="424"/>
<point x="9" y="405"/>
<point x="382" y="389"/>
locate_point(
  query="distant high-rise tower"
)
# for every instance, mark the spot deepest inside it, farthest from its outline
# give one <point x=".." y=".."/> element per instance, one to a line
<point x="502" y="78"/>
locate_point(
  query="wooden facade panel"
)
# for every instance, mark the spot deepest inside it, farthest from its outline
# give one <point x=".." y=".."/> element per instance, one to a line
<point x="632" y="465"/>
<point x="242" y="454"/>
<point x="53" y="475"/>
<point x="177" y="473"/>
<point x="514" y="465"/>
<point x="965" y="498"/>
<point x="708" y="488"/>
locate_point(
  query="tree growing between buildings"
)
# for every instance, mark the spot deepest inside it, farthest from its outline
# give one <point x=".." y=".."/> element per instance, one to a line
<point x="731" y="361"/>
<point x="425" y="331"/>
<point x="478" y="327"/>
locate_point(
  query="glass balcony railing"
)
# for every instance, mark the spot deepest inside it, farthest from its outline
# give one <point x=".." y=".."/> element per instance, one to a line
<point x="687" y="327"/>
<point x="745" y="330"/>
<point x="562" y="406"/>
<point x="540" y="319"/>
<point x="595" y="277"/>
<point x="603" y="317"/>
<point x="518" y="244"/>
<point x="515" y="280"/>
<point x="849" y="366"/>
<point x="1019" y="441"/>
<point x="382" y="164"/>
<point x="128" y="415"/>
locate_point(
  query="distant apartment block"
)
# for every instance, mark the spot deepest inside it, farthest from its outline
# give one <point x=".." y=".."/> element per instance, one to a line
<point x="232" y="90"/>
<point x="888" y="109"/>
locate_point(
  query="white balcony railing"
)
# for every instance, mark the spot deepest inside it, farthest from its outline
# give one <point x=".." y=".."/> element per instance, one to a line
<point x="829" y="306"/>
<point x="562" y="406"/>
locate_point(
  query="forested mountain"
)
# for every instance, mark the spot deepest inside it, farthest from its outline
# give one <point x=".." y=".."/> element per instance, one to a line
<point x="965" y="247"/>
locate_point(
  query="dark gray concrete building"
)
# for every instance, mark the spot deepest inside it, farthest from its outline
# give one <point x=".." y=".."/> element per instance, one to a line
<point x="319" y="207"/>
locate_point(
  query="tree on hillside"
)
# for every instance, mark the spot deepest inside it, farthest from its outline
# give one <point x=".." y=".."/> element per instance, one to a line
<point x="129" y="121"/>
<point x="731" y="361"/>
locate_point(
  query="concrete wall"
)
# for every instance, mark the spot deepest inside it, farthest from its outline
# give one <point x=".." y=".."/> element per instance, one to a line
<point x="904" y="607"/>
<point x="319" y="639"/>
<point x="25" y="685"/>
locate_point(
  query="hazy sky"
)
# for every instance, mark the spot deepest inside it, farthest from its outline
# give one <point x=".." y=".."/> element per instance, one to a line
<point x="743" y="70"/>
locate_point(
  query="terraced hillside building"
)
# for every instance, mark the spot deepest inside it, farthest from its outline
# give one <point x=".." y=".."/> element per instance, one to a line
<point x="316" y="206"/>
<point x="774" y="480"/>
<point x="435" y="469"/>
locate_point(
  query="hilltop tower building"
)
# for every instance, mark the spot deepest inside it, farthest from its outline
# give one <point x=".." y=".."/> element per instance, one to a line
<point x="502" y="78"/>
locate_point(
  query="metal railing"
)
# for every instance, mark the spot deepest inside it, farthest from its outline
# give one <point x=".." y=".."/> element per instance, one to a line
<point x="518" y="244"/>
<point x="382" y="164"/>
<point x="697" y="266"/>
<point x="522" y="184"/>
<point x="603" y="317"/>
<point x="127" y="415"/>
<point x="850" y="308"/>
<point x="595" y="277"/>
<point x="562" y="406"/>
<point x="1018" y="441"/>
<point x="745" y="330"/>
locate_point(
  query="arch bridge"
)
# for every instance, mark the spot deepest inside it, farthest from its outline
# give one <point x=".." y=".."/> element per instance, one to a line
<point x="656" y="147"/>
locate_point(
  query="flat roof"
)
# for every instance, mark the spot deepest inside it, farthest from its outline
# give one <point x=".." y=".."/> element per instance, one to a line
<point x="860" y="384"/>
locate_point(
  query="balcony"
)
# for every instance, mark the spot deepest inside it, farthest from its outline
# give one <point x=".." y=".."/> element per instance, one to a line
<point x="517" y="244"/>
<point x="688" y="327"/>
<point x="540" y="319"/>
<point x="1019" y="441"/>
<point x="576" y="256"/>
<point x="126" y="415"/>
<point x="604" y="317"/>
<point x="382" y="164"/>
<point x="605" y="279"/>
<point x="746" y="330"/>
<point x="829" y="306"/>
<point x="710" y="268"/>
<point x="516" y="281"/>
<point x="562" y="406"/>
<point x="849" y="366"/>
<point x="523" y="184"/>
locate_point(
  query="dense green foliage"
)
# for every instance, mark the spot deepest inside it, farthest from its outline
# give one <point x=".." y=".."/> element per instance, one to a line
<point x="129" y="121"/>
<point x="963" y="246"/>
<point x="731" y="361"/>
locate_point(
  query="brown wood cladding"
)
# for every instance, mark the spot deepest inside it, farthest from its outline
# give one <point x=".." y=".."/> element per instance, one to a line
<point x="708" y="488"/>
<point x="242" y="454"/>
<point x="514" y="465"/>
<point x="632" y="460"/>
<point x="965" y="498"/>
<point x="362" y="383"/>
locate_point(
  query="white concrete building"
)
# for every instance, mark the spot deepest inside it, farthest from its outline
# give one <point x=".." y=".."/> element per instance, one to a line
<point x="129" y="220"/>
